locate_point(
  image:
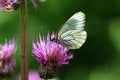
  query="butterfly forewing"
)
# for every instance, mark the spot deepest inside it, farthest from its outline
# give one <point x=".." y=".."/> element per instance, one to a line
<point x="77" y="21"/>
<point x="71" y="33"/>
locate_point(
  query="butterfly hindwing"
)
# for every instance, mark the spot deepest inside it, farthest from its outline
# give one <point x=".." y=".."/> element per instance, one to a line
<point x="73" y="38"/>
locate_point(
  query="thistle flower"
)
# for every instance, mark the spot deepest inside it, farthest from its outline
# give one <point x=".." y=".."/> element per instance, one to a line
<point x="6" y="57"/>
<point x="34" y="3"/>
<point x="8" y="5"/>
<point x="50" y="55"/>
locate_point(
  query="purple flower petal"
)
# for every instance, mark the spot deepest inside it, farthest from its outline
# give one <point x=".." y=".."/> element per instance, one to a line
<point x="6" y="53"/>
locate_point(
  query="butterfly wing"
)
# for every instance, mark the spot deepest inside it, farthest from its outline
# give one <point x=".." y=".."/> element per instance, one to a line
<point x="77" y="21"/>
<point x="71" y="34"/>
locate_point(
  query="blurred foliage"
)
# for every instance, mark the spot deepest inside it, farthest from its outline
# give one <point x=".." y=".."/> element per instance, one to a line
<point x="97" y="59"/>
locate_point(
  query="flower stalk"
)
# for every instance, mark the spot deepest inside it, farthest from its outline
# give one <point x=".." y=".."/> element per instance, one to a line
<point x="24" y="39"/>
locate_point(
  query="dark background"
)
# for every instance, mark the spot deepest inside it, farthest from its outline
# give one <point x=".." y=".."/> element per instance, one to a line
<point x="97" y="59"/>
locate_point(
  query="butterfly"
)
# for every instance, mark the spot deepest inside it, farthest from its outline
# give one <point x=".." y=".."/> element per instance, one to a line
<point x="72" y="34"/>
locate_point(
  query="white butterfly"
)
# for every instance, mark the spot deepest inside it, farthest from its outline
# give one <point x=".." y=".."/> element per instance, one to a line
<point x="72" y="33"/>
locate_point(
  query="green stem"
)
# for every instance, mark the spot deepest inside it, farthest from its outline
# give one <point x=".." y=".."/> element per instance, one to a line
<point x="24" y="39"/>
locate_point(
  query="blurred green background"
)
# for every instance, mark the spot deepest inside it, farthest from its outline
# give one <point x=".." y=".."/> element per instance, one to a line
<point x="97" y="59"/>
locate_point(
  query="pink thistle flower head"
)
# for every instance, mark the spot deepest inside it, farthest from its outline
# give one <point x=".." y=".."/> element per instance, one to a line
<point x="8" y="5"/>
<point x="6" y="57"/>
<point x="50" y="54"/>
